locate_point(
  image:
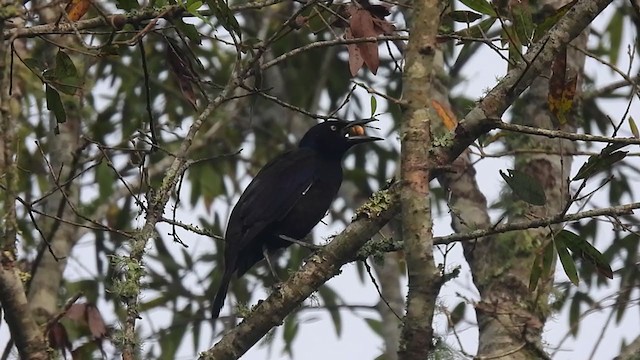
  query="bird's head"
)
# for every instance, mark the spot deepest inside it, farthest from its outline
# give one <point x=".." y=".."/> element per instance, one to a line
<point x="334" y="137"/>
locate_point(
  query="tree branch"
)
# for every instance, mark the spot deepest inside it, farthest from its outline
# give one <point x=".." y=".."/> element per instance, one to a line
<point x="119" y="20"/>
<point x="384" y="246"/>
<point x="562" y="134"/>
<point x="24" y="331"/>
<point x="416" y="339"/>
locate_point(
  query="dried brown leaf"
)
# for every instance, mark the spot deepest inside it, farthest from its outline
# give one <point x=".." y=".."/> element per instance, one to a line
<point x="355" y="59"/>
<point x="562" y="89"/>
<point x="183" y="70"/>
<point x="300" y="21"/>
<point x="445" y="113"/>
<point x="383" y="27"/>
<point x="77" y="8"/>
<point x="58" y="338"/>
<point x="361" y="25"/>
<point x="76" y="312"/>
<point x="96" y="323"/>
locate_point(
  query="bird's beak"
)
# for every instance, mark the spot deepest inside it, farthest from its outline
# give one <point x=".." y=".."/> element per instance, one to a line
<point x="355" y="132"/>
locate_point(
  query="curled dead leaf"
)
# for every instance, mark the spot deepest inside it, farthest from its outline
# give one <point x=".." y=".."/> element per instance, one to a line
<point x="361" y="25"/>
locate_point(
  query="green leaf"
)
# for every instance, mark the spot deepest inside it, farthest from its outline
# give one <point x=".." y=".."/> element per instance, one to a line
<point x="522" y="21"/>
<point x="159" y="302"/>
<point x="542" y="28"/>
<point x="457" y="314"/>
<point x="64" y="66"/>
<point x="170" y="340"/>
<point x="330" y="299"/>
<point x="566" y="260"/>
<point x="211" y="184"/>
<point x="477" y="31"/>
<point x="464" y="16"/>
<point x="105" y="179"/>
<point x="64" y="76"/>
<point x="586" y="251"/>
<point x="127" y="5"/>
<point x="536" y="272"/>
<point x="614" y="29"/>
<point x="36" y="66"/>
<point x="374" y="105"/>
<point x="547" y="259"/>
<point x="601" y="162"/>
<point x="481" y="6"/>
<point x="193" y="6"/>
<point x="634" y="128"/>
<point x="542" y="265"/>
<point x="375" y="325"/>
<point x="525" y="187"/>
<point x="224" y="15"/>
<point x="289" y="334"/>
<point x="189" y="30"/>
<point x="54" y="104"/>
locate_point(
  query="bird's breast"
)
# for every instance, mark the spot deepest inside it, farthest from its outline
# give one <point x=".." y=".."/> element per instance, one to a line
<point x="312" y="206"/>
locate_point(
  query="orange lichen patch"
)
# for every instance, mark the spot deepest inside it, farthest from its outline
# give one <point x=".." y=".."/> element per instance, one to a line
<point x="356" y="130"/>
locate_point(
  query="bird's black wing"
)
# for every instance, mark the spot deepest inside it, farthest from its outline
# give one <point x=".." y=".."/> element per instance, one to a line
<point x="270" y="195"/>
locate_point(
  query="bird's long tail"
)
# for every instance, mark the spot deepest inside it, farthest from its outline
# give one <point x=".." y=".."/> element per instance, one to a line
<point x="218" y="301"/>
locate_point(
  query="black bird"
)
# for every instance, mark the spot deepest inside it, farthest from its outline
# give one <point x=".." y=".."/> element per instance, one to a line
<point x="287" y="198"/>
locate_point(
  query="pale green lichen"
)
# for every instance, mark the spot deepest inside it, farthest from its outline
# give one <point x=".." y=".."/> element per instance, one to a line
<point x="378" y="203"/>
<point x="443" y="141"/>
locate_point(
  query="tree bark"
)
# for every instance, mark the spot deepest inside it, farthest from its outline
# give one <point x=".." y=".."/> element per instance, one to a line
<point x="415" y="172"/>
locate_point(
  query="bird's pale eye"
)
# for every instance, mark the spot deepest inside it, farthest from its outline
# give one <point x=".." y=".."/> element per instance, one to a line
<point x="333" y="128"/>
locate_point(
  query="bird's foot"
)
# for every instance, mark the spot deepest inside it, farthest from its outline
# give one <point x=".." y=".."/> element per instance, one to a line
<point x="304" y="244"/>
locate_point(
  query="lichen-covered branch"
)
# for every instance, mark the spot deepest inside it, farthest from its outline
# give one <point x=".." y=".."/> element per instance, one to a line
<point x="25" y="332"/>
<point x="416" y="167"/>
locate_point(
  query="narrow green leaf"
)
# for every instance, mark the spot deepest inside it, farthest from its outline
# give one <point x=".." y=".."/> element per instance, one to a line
<point x="457" y="314"/>
<point x="566" y="260"/>
<point x="523" y="22"/>
<point x="574" y="313"/>
<point x="224" y="15"/>
<point x="481" y="6"/>
<point x="374" y="105"/>
<point x="536" y="272"/>
<point x="551" y="20"/>
<point x="105" y="178"/>
<point x="64" y="66"/>
<point x="127" y="5"/>
<point x="170" y="340"/>
<point x="331" y="299"/>
<point x="464" y="16"/>
<point x="477" y="31"/>
<point x="54" y="104"/>
<point x="586" y="251"/>
<point x="525" y="187"/>
<point x="634" y="128"/>
<point x="35" y="65"/>
<point x="211" y="184"/>
<point x="289" y="334"/>
<point x="375" y="325"/>
<point x="189" y="30"/>
<point x="601" y="162"/>
<point x="547" y="259"/>
<point x="193" y="6"/>
<point x="615" y="29"/>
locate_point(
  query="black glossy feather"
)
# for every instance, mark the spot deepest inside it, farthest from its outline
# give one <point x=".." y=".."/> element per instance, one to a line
<point x="288" y="196"/>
